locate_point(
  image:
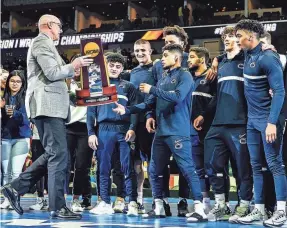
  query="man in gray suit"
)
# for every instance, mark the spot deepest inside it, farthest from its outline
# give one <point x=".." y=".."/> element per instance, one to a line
<point x="47" y="104"/>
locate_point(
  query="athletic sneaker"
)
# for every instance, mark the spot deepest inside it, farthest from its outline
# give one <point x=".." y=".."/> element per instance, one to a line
<point x="198" y="215"/>
<point x="254" y="217"/>
<point x="278" y="219"/>
<point x="119" y="205"/>
<point x="133" y="209"/>
<point x="219" y="213"/>
<point x="102" y="208"/>
<point x="238" y="213"/>
<point x="182" y="208"/>
<point x="76" y="206"/>
<point x="166" y="208"/>
<point x="5" y="204"/>
<point x="141" y="208"/>
<point x="86" y="203"/>
<point x="157" y="212"/>
<point x="40" y="205"/>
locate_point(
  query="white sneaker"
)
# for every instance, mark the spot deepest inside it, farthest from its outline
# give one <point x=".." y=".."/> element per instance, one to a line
<point x="133" y="209"/>
<point x="278" y="219"/>
<point x="76" y="206"/>
<point x="254" y="217"/>
<point x="119" y="205"/>
<point x="102" y="208"/>
<point x="5" y="204"/>
<point x="198" y="215"/>
<point x="157" y="212"/>
<point x="40" y="205"/>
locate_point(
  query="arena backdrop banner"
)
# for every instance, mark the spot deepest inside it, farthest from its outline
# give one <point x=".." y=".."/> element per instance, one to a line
<point x="276" y="28"/>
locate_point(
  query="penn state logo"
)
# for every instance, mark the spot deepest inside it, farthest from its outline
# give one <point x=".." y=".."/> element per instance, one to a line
<point x="242" y="139"/>
<point x="133" y="146"/>
<point x="240" y="65"/>
<point x="178" y="144"/>
<point x="173" y="81"/>
<point x="203" y="82"/>
<point x="252" y="65"/>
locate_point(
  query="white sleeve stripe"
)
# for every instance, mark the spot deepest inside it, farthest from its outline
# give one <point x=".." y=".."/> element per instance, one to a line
<point x="229" y="78"/>
<point x="201" y="94"/>
<point x="254" y="77"/>
<point x="123" y="97"/>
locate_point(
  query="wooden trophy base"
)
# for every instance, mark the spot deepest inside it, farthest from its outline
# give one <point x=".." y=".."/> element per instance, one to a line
<point x="108" y="96"/>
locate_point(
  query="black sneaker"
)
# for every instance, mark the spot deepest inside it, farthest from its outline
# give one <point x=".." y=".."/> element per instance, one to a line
<point x="141" y="208"/>
<point x="182" y="208"/>
<point x="86" y="203"/>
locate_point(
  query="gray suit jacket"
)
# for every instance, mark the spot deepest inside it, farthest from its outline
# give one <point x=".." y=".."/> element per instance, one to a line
<point x="47" y="92"/>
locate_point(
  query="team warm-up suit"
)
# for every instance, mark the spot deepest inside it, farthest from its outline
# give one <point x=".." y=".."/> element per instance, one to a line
<point x="227" y="135"/>
<point x="158" y="73"/>
<point x="262" y="71"/>
<point x="142" y="74"/>
<point x="202" y="99"/>
<point x="111" y="133"/>
<point x="172" y="97"/>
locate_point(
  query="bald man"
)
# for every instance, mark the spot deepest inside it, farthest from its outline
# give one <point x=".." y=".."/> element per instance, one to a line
<point x="47" y="105"/>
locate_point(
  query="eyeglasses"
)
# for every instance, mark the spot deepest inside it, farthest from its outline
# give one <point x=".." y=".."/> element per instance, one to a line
<point x="59" y="24"/>
<point x="16" y="82"/>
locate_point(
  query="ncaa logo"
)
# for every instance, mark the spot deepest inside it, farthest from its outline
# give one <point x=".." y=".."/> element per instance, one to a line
<point x="252" y="65"/>
<point x="240" y="65"/>
<point x="173" y="81"/>
<point x="92" y="49"/>
<point x="178" y="144"/>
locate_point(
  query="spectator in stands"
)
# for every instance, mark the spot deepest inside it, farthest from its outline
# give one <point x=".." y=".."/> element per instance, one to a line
<point x="15" y="128"/>
<point x="3" y="78"/>
<point x="154" y="14"/>
<point x="138" y="22"/>
<point x="186" y="13"/>
<point x="126" y="24"/>
<point x="180" y="16"/>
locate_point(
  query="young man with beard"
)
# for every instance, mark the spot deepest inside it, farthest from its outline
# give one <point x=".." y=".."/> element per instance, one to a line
<point x="203" y="99"/>
<point x="114" y="133"/>
<point x="262" y="71"/>
<point x="172" y="35"/>
<point x="227" y="135"/>
<point x="172" y="98"/>
<point x="142" y="74"/>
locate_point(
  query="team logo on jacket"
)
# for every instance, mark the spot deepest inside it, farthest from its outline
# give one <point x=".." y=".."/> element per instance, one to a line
<point x="240" y="65"/>
<point x="252" y="65"/>
<point x="242" y="139"/>
<point x="92" y="49"/>
<point x="203" y="82"/>
<point x="178" y="144"/>
<point x="173" y="81"/>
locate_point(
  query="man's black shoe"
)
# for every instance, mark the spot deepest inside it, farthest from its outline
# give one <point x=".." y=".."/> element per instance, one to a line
<point x="182" y="208"/>
<point x="65" y="213"/>
<point x="12" y="195"/>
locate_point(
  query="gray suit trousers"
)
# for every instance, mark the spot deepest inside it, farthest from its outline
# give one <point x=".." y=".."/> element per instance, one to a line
<point x="52" y="132"/>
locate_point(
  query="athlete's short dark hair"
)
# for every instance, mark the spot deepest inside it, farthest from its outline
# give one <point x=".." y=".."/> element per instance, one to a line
<point x="115" y="58"/>
<point x="177" y="31"/>
<point x="251" y="26"/>
<point x="201" y="52"/>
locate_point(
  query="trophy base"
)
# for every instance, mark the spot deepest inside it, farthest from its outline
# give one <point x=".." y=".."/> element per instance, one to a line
<point x="85" y="98"/>
<point x="96" y="101"/>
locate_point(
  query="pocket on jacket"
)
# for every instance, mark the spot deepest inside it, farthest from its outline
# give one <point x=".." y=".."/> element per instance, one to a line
<point x="53" y="89"/>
